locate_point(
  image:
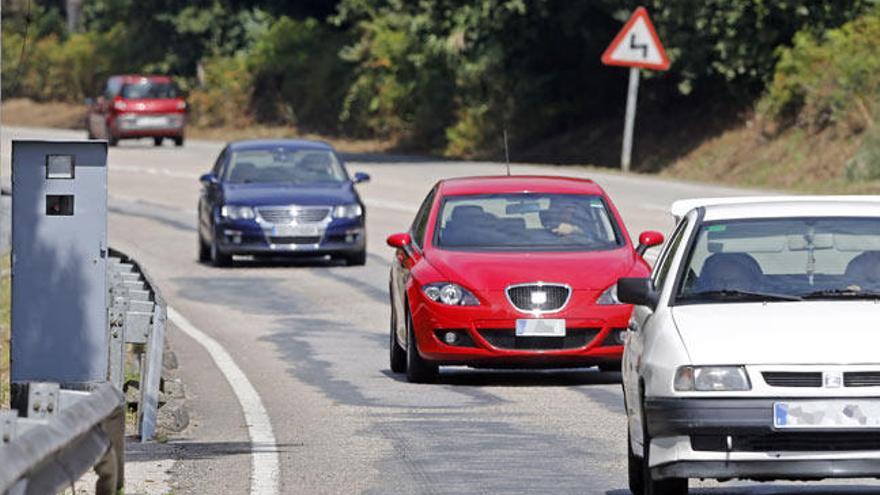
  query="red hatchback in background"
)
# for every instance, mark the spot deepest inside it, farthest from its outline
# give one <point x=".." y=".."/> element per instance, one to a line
<point x="512" y="272"/>
<point x="135" y="106"/>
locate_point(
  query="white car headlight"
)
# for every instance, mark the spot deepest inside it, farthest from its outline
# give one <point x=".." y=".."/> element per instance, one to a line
<point x="609" y="296"/>
<point x="353" y="210"/>
<point x="449" y="293"/>
<point x="233" y="212"/>
<point x="712" y="379"/>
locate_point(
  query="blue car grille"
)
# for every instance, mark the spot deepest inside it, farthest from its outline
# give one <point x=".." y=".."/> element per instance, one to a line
<point x="293" y="214"/>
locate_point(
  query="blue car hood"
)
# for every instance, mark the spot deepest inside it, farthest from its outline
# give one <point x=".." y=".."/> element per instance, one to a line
<point x="335" y="193"/>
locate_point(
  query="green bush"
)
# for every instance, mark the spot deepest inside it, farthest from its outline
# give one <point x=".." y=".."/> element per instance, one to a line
<point x="299" y="78"/>
<point x="828" y="79"/>
<point x="51" y="68"/>
<point x="865" y="165"/>
<point x="224" y="99"/>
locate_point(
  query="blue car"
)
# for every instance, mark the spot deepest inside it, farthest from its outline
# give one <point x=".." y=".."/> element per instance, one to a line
<point x="270" y="198"/>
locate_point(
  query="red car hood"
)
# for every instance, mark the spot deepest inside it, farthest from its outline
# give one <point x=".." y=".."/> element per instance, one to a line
<point x="490" y="271"/>
<point x="158" y="105"/>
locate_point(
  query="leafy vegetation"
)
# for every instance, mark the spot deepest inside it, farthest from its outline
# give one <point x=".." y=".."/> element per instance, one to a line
<point x="815" y="129"/>
<point x="829" y="78"/>
<point x="439" y="75"/>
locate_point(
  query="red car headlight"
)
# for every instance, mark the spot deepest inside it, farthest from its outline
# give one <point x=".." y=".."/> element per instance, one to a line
<point x="450" y="294"/>
<point x="609" y="296"/>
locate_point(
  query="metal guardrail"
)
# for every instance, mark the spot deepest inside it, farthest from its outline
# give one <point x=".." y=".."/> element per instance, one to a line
<point x="137" y="316"/>
<point x="58" y="436"/>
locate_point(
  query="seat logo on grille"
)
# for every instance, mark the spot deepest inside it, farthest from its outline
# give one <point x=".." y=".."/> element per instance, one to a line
<point x="832" y="379"/>
<point x="539" y="297"/>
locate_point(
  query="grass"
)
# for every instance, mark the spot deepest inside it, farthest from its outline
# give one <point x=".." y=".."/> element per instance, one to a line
<point x="28" y="113"/>
<point x="797" y="159"/>
<point x="5" y="302"/>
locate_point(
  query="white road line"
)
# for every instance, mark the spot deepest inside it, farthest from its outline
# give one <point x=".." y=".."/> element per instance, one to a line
<point x="390" y="205"/>
<point x="654" y="207"/>
<point x="153" y="171"/>
<point x="264" y="447"/>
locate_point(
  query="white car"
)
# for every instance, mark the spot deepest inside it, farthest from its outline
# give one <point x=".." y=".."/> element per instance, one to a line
<point x="754" y="348"/>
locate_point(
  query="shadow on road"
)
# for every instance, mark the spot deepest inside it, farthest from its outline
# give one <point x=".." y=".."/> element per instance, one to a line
<point x="763" y="489"/>
<point x="182" y="449"/>
<point x="460" y="376"/>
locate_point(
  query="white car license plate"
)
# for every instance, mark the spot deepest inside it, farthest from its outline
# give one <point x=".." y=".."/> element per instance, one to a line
<point x="296" y="231"/>
<point x="828" y="414"/>
<point x="153" y="121"/>
<point x="540" y="328"/>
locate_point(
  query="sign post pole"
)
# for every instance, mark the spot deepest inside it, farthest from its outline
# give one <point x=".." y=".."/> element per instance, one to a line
<point x="636" y="46"/>
<point x="631" y="98"/>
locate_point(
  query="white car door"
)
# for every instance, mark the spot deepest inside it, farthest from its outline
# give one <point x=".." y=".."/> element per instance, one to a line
<point x="640" y="328"/>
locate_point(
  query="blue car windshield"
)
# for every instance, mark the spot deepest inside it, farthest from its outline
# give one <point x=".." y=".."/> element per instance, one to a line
<point x="526" y="222"/>
<point x="284" y="166"/>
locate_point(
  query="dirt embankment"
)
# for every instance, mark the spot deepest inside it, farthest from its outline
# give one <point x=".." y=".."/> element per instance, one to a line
<point x="797" y="158"/>
<point x="28" y="113"/>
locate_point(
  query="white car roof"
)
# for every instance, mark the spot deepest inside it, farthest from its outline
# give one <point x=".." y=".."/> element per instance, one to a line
<point x="779" y="206"/>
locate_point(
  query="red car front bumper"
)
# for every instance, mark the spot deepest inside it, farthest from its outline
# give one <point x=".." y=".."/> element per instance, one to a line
<point x="591" y="333"/>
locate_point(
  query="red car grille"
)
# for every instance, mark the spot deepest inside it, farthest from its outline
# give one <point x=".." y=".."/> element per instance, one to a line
<point x="505" y="338"/>
<point x="538" y="298"/>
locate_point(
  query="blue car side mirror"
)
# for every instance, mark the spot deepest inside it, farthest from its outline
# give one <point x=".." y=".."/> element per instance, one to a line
<point x="208" y="179"/>
<point x="361" y="177"/>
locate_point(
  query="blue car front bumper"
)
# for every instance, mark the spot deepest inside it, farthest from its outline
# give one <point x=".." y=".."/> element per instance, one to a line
<point x="247" y="237"/>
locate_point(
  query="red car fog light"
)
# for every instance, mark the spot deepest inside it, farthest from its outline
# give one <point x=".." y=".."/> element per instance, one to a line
<point x="455" y="337"/>
<point x="617" y="336"/>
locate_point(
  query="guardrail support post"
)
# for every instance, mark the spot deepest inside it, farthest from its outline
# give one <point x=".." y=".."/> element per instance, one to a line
<point x="152" y="375"/>
<point x="111" y="468"/>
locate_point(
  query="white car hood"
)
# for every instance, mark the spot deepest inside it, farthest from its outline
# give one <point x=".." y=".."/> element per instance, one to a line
<point x="808" y="332"/>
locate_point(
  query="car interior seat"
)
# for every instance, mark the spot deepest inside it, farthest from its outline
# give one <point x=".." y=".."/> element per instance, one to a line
<point x="729" y="271"/>
<point x="864" y="269"/>
<point x="243" y="172"/>
<point x="315" y="166"/>
<point x="465" y="222"/>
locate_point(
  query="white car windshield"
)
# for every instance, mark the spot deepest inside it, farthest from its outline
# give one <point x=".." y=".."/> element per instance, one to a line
<point x="783" y="259"/>
<point x="526" y="221"/>
<point x="285" y="166"/>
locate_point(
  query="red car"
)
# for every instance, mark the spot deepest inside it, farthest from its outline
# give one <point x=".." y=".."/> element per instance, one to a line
<point x="512" y="272"/>
<point x="137" y="107"/>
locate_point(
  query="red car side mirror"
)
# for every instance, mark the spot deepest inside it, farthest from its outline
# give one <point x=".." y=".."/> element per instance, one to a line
<point x="399" y="241"/>
<point x="648" y="239"/>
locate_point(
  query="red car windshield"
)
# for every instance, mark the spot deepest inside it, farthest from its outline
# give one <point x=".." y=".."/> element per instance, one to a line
<point x="149" y="90"/>
<point x="526" y="222"/>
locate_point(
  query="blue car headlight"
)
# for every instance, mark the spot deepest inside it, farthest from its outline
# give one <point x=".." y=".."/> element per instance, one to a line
<point x="233" y="212"/>
<point x="353" y="210"/>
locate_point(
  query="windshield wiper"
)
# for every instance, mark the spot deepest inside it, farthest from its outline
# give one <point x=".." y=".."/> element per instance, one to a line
<point x="743" y="294"/>
<point x="842" y="293"/>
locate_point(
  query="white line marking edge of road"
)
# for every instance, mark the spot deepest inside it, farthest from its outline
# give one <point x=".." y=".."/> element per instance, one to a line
<point x="264" y="448"/>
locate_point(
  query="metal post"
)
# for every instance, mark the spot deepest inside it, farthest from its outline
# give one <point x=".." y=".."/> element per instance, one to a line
<point x="631" y="98"/>
<point x="152" y="375"/>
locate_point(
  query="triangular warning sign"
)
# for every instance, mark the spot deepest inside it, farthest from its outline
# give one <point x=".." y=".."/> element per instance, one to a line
<point x="637" y="45"/>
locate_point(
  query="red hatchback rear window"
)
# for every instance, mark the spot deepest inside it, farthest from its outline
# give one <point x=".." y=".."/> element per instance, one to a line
<point x="149" y="90"/>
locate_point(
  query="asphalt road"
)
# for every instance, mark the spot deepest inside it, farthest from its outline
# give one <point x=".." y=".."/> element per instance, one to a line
<point x="312" y="339"/>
